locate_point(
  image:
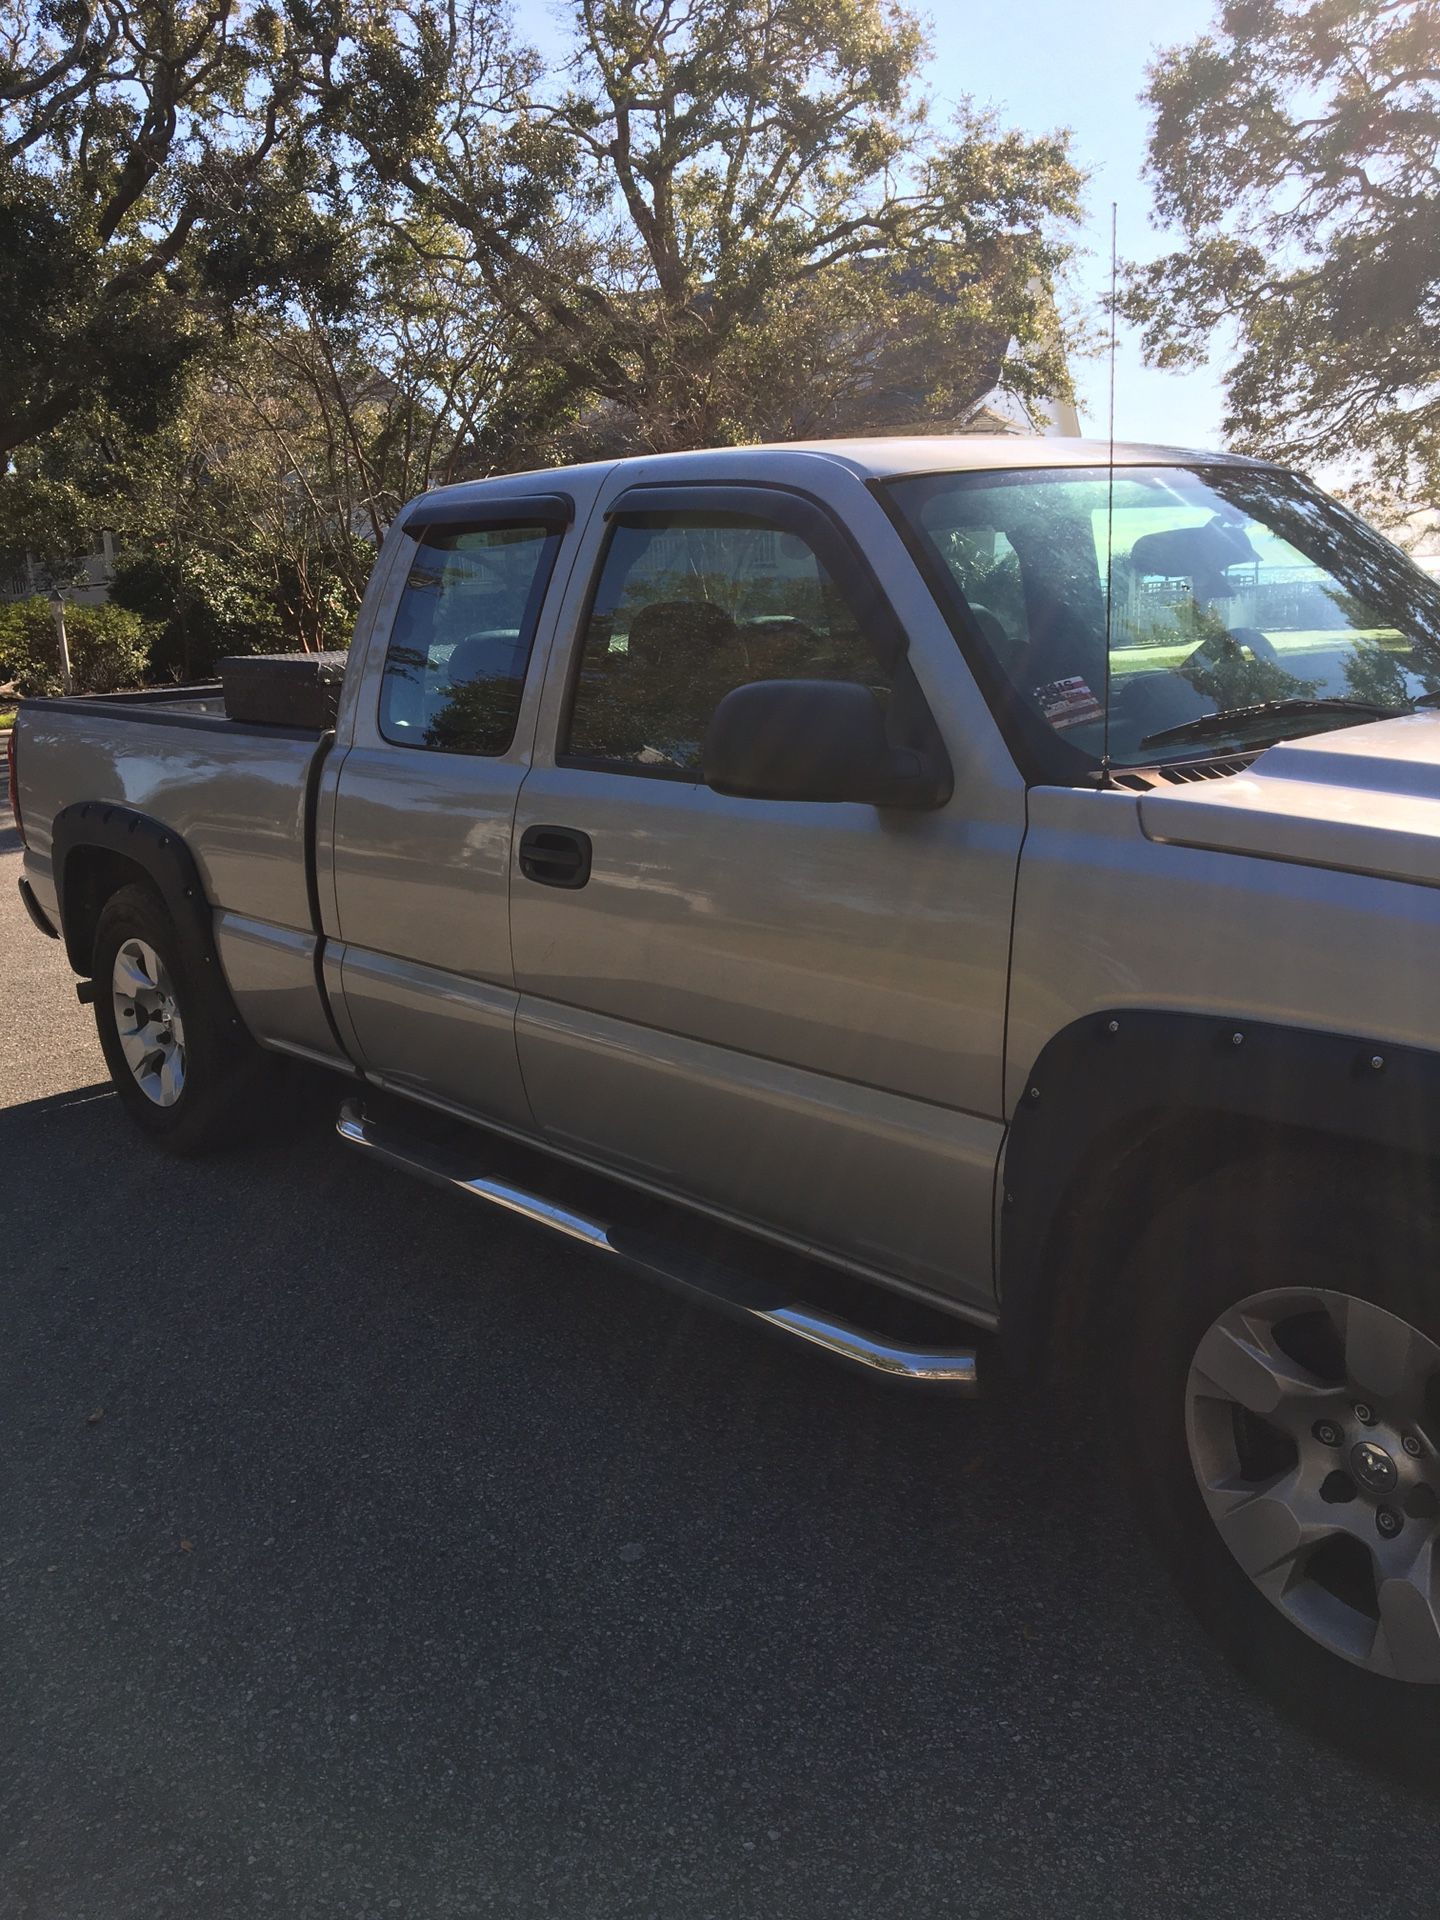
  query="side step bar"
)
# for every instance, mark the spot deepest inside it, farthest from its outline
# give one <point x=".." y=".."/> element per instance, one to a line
<point x="715" y="1283"/>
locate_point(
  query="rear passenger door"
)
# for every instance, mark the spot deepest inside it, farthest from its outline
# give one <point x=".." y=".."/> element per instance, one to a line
<point x="791" y="1011"/>
<point x="425" y="798"/>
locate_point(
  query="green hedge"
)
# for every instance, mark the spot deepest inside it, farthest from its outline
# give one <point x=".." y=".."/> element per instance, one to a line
<point x="109" y="647"/>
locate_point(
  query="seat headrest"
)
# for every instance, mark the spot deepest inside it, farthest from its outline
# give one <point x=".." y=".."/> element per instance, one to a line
<point x="680" y="627"/>
<point x="991" y="626"/>
<point x="478" y="657"/>
<point x="1200" y="554"/>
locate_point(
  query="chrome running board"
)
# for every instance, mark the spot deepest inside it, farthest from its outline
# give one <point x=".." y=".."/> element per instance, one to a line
<point x="714" y="1283"/>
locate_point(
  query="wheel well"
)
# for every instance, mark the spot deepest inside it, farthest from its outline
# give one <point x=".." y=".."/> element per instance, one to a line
<point x="1102" y="1208"/>
<point x="1115" y="1190"/>
<point x="1125" y="1106"/>
<point x="91" y="876"/>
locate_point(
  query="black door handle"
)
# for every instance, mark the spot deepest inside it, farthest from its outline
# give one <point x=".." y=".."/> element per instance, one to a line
<point x="555" y="856"/>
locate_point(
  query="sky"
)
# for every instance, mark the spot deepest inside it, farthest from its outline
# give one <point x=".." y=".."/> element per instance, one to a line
<point x="1043" y="64"/>
<point x="1050" y="63"/>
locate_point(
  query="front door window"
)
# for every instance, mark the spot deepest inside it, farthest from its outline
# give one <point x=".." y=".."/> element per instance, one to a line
<point x="688" y="607"/>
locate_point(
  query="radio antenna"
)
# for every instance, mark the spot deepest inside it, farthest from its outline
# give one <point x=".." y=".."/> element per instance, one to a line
<point x="1110" y="506"/>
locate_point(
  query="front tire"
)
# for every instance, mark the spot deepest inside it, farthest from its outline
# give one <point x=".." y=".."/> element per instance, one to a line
<point x="186" y="1071"/>
<point x="1284" y="1387"/>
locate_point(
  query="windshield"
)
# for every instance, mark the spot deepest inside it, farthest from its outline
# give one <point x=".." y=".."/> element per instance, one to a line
<point x="1247" y="606"/>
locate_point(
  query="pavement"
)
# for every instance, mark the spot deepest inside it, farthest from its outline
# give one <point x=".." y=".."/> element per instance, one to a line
<point x="363" y="1557"/>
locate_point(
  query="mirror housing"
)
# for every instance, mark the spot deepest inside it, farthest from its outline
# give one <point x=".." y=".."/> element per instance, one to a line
<point x="815" y="740"/>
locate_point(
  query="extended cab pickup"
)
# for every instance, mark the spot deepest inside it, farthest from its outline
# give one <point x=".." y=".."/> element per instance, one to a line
<point x="954" y="869"/>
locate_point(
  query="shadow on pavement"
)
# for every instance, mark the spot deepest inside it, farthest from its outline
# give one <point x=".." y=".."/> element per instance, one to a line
<point x="16" y="1123"/>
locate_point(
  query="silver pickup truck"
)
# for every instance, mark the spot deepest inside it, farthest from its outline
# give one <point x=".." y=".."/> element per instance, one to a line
<point x="960" y="870"/>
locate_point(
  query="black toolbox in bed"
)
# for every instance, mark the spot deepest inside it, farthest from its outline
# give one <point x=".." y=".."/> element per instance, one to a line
<point x="283" y="689"/>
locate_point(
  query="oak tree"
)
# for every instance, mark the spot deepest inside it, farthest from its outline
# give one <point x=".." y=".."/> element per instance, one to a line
<point x="165" y="161"/>
<point x="1297" y="148"/>
<point x="731" y="218"/>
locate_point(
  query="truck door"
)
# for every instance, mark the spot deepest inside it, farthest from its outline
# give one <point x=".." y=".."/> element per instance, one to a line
<point x="792" y="1012"/>
<point x="425" y="797"/>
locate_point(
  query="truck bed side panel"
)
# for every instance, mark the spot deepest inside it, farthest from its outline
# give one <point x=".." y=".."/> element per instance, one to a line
<point x="237" y="797"/>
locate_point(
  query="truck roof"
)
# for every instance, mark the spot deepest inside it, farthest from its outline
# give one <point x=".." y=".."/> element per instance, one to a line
<point x="870" y="459"/>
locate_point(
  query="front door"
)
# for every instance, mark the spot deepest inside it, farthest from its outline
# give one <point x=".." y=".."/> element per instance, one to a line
<point x="792" y="1012"/>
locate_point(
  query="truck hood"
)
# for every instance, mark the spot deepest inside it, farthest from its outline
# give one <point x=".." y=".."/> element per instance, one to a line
<point x="1366" y="799"/>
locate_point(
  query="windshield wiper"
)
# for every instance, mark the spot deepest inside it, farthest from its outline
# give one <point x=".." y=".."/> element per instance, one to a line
<point x="1234" y="721"/>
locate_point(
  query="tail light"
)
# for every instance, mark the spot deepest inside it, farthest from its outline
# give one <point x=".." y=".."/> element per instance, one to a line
<point x="15" y="784"/>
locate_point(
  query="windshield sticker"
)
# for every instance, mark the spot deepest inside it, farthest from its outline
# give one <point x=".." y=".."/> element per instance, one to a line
<point x="1068" y="703"/>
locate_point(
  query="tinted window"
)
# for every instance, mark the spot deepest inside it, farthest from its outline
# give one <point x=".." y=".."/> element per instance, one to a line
<point x="688" y="608"/>
<point x="455" y="668"/>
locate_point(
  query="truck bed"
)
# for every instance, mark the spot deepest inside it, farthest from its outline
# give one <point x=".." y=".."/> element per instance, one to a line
<point x="241" y="796"/>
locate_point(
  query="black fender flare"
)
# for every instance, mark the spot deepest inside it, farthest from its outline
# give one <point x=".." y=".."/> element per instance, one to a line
<point x="144" y="842"/>
<point x="1115" y="1079"/>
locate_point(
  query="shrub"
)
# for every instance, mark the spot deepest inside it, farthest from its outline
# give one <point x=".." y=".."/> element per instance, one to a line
<point x="199" y="607"/>
<point x="109" y="647"/>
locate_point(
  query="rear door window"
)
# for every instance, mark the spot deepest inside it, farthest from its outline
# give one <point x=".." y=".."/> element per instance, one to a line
<point x="455" y="667"/>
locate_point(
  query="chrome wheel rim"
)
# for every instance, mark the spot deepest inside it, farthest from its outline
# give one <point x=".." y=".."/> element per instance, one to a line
<point x="148" y="1022"/>
<point x="1313" y="1422"/>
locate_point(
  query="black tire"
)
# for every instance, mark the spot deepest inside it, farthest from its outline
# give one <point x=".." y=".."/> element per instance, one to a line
<point x="225" y="1073"/>
<point x="1294" y="1219"/>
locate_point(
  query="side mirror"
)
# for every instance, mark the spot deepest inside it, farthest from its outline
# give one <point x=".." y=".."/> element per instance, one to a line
<point x="814" y="740"/>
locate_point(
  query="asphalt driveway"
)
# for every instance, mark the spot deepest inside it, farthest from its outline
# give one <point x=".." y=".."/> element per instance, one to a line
<point x="362" y="1557"/>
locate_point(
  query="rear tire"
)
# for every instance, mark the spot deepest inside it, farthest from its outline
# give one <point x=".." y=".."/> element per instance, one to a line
<point x="1255" y="1488"/>
<point x="186" y="1071"/>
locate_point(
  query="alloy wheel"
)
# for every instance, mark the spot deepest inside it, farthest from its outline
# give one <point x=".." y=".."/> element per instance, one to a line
<point x="1313" y="1422"/>
<point x="148" y="1022"/>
